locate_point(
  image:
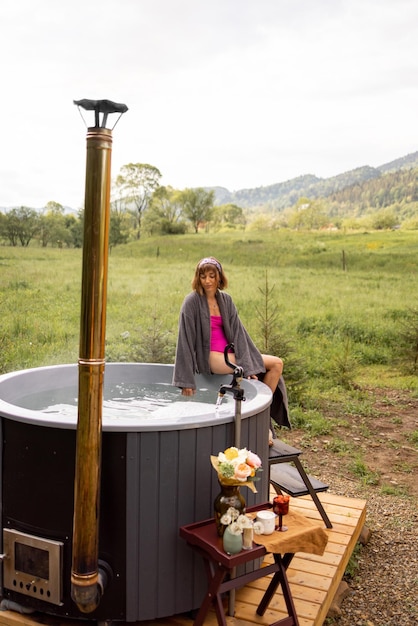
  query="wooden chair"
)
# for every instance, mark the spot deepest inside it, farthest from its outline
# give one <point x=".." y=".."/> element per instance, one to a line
<point x="292" y="478"/>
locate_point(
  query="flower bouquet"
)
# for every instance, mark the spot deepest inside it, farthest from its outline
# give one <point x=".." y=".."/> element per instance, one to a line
<point x="237" y="467"/>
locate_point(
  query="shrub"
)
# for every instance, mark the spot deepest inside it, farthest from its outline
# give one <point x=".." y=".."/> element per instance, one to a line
<point x="407" y="348"/>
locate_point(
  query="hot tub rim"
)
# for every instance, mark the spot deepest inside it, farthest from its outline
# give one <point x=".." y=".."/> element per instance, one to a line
<point x="259" y="398"/>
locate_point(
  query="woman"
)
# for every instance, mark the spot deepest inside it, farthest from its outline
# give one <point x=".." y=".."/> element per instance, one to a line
<point x="208" y="322"/>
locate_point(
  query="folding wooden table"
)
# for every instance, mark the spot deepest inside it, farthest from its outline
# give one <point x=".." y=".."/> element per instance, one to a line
<point x="203" y="538"/>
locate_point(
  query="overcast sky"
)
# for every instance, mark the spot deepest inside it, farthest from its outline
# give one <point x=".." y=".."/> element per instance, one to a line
<point x="235" y="93"/>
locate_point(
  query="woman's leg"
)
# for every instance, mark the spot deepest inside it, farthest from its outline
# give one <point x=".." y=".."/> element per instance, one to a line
<point x="273" y="365"/>
<point x="274" y="369"/>
<point x="217" y="362"/>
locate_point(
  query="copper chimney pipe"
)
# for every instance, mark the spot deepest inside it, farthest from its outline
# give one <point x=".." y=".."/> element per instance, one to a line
<point x="87" y="579"/>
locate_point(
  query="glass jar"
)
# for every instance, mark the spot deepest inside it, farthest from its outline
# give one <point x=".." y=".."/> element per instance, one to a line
<point x="229" y="496"/>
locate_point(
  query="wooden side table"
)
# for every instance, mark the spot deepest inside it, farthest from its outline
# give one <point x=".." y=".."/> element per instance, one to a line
<point x="203" y="538"/>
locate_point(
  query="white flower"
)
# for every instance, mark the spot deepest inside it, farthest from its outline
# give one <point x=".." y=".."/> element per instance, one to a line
<point x="244" y="522"/>
<point x="230" y="516"/>
<point x="236" y="521"/>
<point x="226" y="519"/>
<point x="235" y="528"/>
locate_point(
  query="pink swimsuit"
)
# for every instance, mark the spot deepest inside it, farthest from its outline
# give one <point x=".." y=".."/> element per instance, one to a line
<point x="218" y="340"/>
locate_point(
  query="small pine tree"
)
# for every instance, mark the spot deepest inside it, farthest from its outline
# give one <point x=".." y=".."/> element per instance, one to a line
<point x="343" y="365"/>
<point x="408" y="342"/>
<point x="156" y="344"/>
<point x="272" y="341"/>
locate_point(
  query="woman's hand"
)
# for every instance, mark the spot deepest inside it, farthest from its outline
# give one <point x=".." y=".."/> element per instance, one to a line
<point x="186" y="391"/>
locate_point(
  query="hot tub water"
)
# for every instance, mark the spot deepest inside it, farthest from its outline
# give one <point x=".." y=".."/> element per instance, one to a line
<point x="132" y="400"/>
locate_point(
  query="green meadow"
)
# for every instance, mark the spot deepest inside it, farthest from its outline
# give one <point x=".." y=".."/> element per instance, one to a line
<point x="341" y="309"/>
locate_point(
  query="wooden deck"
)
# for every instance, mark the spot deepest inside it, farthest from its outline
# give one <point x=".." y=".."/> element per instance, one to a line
<point x="314" y="580"/>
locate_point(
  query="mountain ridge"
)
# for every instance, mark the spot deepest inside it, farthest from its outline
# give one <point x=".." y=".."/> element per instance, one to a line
<point x="279" y="196"/>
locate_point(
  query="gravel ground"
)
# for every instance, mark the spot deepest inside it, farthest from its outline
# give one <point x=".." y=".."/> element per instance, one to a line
<point x="384" y="584"/>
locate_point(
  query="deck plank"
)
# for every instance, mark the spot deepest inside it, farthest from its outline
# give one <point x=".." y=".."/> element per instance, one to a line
<point x="313" y="579"/>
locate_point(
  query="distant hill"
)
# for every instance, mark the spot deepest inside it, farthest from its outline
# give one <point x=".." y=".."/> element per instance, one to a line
<point x="409" y="161"/>
<point x="396" y="190"/>
<point x="279" y="196"/>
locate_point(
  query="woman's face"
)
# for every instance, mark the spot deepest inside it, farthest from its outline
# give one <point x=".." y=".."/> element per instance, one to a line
<point x="209" y="281"/>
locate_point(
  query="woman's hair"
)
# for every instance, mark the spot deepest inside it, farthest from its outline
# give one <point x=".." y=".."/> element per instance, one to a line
<point x="205" y="265"/>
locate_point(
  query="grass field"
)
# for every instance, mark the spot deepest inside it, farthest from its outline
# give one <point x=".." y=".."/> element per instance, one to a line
<point x="343" y="303"/>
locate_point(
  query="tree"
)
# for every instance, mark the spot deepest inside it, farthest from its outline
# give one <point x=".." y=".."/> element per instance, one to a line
<point x="136" y="184"/>
<point x="75" y="228"/>
<point x="10" y="227"/>
<point x="21" y="224"/>
<point x="273" y="341"/>
<point x="308" y="215"/>
<point x="2" y="224"/>
<point x="229" y="215"/>
<point x="52" y="225"/>
<point x="117" y="234"/>
<point x="197" y="206"/>
<point x="165" y="212"/>
<point x="384" y="219"/>
<point x="54" y="208"/>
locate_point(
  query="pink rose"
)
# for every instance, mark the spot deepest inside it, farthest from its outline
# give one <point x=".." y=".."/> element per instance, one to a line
<point x="253" y="460"/>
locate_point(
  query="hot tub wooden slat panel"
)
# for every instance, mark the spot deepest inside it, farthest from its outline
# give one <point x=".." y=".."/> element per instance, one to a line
<point x="188" y="572"/>
<point x="142" y="481"/>
<point x="132" y="523"/>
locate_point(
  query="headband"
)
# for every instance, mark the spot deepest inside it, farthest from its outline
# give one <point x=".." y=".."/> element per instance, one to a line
<point x="212" y="261"/>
